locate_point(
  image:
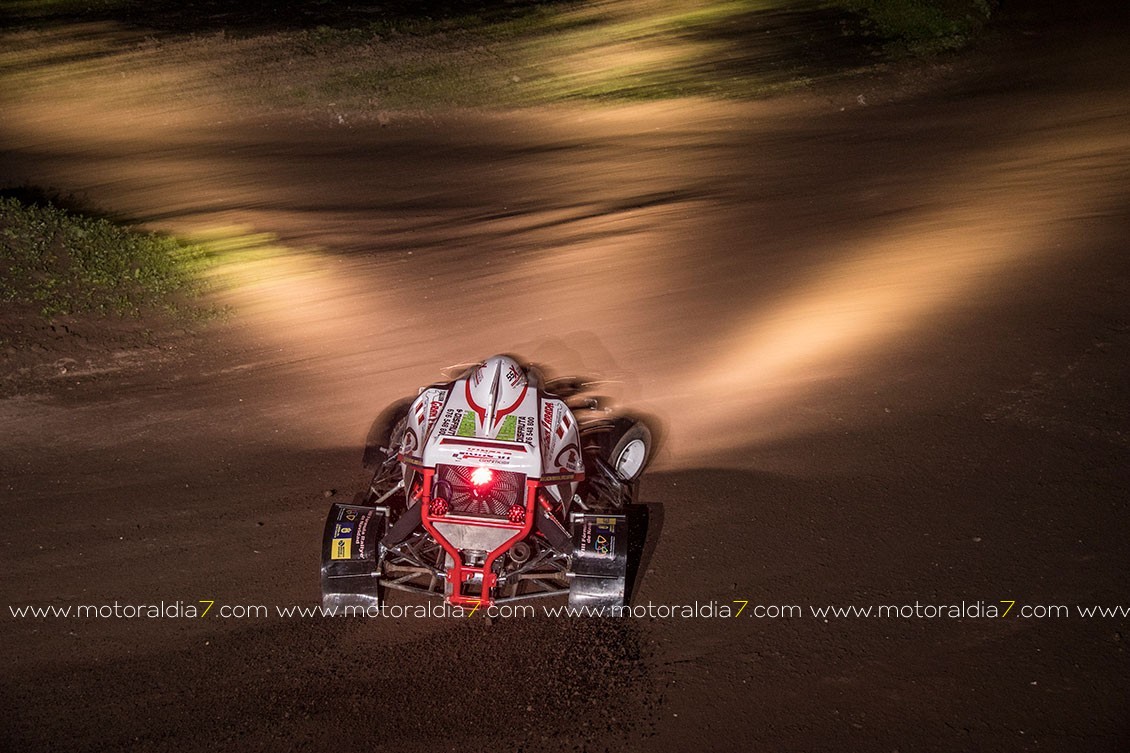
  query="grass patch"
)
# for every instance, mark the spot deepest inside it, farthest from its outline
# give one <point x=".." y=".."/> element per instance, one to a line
<point x="254" y="17"/>
<point x="611" y="51"/>
<point x="357" y="62"/>
<point x="61" y="262"/>
<point x="923" y="27"/>
<point x="455" y="54"/>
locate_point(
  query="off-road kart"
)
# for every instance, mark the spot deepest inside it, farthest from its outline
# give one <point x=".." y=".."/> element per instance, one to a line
<point x="494" y="487"/>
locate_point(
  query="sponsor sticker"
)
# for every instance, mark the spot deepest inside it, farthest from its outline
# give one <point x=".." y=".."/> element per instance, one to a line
<point x="483" y="455"/>
<point x="596" y="537"/>
<point x="410" y="442"/>
<point x="450" y="421"/>
<point x="341" y="549"/>
<point x="567" y="458"/>
<point x="524" y="431"/>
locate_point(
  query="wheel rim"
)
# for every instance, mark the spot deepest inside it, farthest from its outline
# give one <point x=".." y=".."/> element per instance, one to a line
<point x="630" y="462"/>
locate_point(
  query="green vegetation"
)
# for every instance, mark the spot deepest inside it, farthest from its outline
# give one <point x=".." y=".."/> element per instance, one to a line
<point x="363" y="60"/>
<point x="60" y="262"/>
<point x="923" y="27"/>
<point x="610" y="51"/>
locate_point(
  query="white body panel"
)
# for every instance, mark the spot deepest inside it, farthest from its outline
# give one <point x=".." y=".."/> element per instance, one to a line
<point x="494" y="417"/>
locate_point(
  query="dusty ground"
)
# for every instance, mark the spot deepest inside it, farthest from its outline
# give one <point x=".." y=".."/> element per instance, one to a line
<point x="885" y="337"/>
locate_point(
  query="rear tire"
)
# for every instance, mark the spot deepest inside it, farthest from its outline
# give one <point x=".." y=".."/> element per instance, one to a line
<point x="385" y="434"/>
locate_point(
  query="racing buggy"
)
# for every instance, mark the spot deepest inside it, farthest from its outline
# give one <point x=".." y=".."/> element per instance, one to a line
<point x="491" y="488"/>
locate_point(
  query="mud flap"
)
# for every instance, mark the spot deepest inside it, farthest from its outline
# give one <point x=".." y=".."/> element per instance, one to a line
<point x="350" y="575"/>
<point x="600" y="560"/>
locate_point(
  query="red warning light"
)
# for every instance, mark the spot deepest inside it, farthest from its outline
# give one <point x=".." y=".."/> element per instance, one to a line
<point x="482" y="476"/>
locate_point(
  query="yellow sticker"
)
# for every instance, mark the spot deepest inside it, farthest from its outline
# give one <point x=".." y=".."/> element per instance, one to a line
<point x="341" y="549"/>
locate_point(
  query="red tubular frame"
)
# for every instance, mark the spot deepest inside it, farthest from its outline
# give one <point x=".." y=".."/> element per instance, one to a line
<point x="459" y="574"/>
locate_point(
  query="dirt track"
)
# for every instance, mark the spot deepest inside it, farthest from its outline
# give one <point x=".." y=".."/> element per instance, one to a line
<point x="886" y="344"/>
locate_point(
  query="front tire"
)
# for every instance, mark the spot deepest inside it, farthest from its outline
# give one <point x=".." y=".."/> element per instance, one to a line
<point x="631" y="452"/>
